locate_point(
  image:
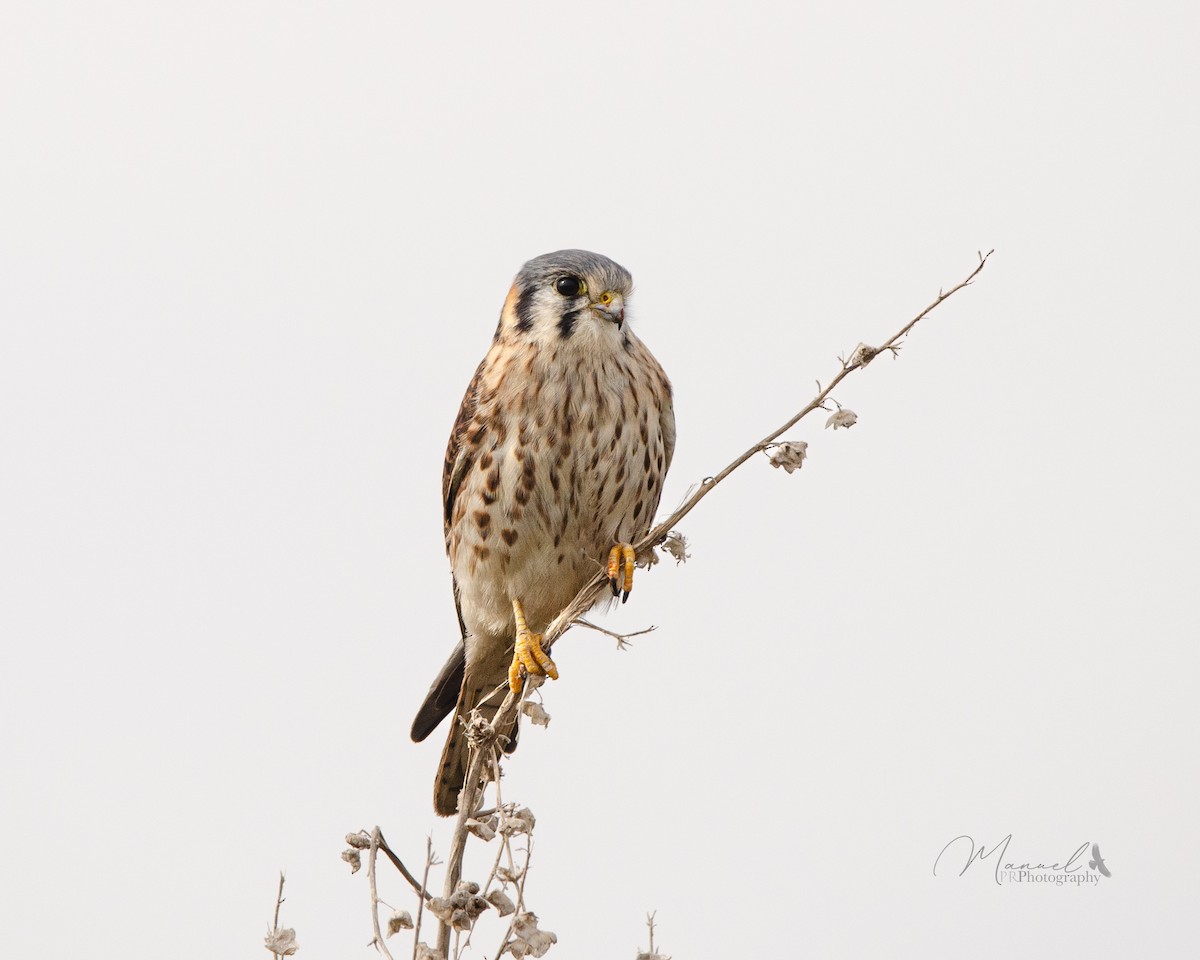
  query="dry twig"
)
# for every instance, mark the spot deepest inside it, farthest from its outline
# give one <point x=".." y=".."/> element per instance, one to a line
<point x="651" y="953"/>
<point x="424" y="893"/>
<point x="281" y="943"/>
<point x="378" y="941"/>
<point x="278" y="903"/>
<point x="418" y="888"/>
<point x="621" y="638"/>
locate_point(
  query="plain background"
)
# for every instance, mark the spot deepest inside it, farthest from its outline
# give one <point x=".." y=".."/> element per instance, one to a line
<point x="250" y="254"/>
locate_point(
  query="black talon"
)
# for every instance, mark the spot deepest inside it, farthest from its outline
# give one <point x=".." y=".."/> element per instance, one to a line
<point x="625" y="597"/>
<point x="615" y="589"/>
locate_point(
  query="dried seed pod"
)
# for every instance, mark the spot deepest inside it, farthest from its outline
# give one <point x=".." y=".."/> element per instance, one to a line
<point x="862" y="355"/>
<point x="536" y="713"/>
<point x="676" y="546"/>
<point x="399" y="920"/>
<point x="790" y="455"/>
<point x="441" y="908"/>
<point x="843" y="418"/>
<point x="504" y="906"/>
<point x="484" y="829"/>
<point x="281" y="942"/>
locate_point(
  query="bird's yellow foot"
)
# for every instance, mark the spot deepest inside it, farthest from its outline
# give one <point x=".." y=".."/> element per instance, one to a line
<point x="528" y="653"/>
<point x="621" y="556"/>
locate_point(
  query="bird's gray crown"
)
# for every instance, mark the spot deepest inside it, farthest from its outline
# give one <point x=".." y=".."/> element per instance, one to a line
<point x="609" y="274"/>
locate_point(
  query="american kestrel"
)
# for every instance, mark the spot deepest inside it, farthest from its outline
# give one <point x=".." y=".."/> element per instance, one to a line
<point x="554" y="468"/>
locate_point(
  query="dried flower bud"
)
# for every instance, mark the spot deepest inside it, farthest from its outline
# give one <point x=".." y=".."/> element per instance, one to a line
<point x="484" y="829"/>
<point x="676" y="546"/>
<point x="528" y="940"/>
<point x="467" y="886"/>
<point x="426" y="952"/>
<point x="507" y="875"/>
<point x="281" y="942"/>
<point x="527" y="815"/>
<point x="400" y="920"/>
<point x="862" y="355"/>
<point x="441" y="908"/>
<point x="351" y="857"/>
<point x="504" y="906"/>
<point x="790" y="455"/>
<point x="479" y="731"/>
<point x="521" y="821"/>
<point x="536" y="713"/>
<point x="460" y="920"/>
<point x="843" y="418"/>
<point x="359" y="841"/>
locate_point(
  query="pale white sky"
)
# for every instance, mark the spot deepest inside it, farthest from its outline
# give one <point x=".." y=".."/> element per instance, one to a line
<point x="250" y="254"/>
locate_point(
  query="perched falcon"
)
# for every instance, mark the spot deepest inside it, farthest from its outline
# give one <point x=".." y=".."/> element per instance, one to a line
<point x="555" y="466"/>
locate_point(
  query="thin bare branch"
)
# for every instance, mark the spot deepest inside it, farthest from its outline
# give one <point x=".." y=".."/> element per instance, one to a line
<point x="501" y="847"/>
<point x="621" y="638"/>
<point x="378" y="941"/>
<point x="399" y="865"/>
<point x="424" y="894"/>
<point x="468" y="800"/>
<point x="520" y="906"/>
<point x="278" y="905"/>
<point x="278" y="902"/>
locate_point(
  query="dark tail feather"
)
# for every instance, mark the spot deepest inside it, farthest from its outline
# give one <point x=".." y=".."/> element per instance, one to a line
<point x="442" y="696"/>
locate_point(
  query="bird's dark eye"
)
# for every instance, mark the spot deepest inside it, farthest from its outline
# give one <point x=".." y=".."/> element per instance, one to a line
<point x="569" y="286"/>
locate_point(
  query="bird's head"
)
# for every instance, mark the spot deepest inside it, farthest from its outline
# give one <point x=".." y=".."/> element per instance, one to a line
<point x="568" y="295"/>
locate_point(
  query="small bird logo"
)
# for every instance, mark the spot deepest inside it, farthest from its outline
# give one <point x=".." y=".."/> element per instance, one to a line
<point x="1097" y="862"/>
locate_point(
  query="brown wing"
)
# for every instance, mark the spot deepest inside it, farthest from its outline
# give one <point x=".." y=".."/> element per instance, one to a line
<point x="666" y="423"/>
<point x="443" y="694"/>
<point x="666" y="427"/>
<point x="458" y="460"/>
<point x="458" y="464"/>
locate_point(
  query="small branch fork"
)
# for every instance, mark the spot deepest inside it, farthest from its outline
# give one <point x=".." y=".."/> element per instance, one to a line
<point x="378" y="942"/>
<point x="281" y="943"/>
<point x="621" y="638"/>
<point x="423" y="894"/>
<point x="278" y="903"/>
<point x="418" y="887"/>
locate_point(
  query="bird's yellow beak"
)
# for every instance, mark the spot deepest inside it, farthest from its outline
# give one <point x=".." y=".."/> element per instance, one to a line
<point x="611" y="306"/>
